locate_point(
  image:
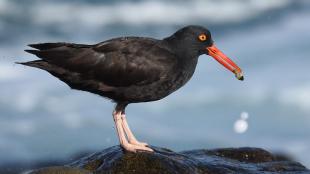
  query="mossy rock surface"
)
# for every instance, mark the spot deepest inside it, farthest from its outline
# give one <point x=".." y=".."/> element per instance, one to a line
<point x="59" y="170"/>
<point x="114" y="160"/>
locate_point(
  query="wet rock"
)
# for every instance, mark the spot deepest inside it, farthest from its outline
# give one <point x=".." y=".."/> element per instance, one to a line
<point x="59" y="170"/>
<point x="114" y="160"/>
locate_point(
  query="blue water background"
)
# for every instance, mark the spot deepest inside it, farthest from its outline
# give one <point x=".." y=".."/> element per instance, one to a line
<point x="41" y="118"/>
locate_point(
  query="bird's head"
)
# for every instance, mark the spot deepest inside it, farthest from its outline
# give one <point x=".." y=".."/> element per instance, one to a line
<point x="197" y="40"/>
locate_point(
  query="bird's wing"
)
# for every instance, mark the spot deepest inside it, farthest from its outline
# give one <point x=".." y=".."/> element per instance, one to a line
<point x="118" y="62"/>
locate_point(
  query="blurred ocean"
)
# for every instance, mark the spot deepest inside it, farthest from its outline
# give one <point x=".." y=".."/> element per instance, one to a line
<point x="41" y="118"/>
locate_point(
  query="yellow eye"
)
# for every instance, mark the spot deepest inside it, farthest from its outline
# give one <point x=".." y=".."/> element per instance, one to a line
<point x="202" y="37"/>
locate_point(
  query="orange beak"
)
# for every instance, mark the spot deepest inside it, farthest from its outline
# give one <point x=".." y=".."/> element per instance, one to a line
<point x="225" y="61"/>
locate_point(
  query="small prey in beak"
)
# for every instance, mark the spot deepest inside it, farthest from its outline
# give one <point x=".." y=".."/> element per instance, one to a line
<point x="219" y="56"/>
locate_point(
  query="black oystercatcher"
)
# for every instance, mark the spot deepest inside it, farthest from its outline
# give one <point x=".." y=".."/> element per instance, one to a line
<point x="130" y="69"/>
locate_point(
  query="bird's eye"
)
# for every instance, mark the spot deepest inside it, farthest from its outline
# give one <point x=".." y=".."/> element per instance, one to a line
<point x="202" y="37"/>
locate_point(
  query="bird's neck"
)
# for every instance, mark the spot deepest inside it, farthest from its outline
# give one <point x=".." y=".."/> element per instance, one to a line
<point x="186" y="64"/>
<point x="187" y="59"/>
<point x="183" y="51"/>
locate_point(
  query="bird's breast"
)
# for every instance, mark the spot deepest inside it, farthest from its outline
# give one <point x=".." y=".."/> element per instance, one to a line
<point x="172" y="82"/>
<point x="180" y="79"/>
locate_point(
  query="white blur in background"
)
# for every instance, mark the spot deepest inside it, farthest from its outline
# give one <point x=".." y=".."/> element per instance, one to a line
<point x="41" y="118"/>
<point x="241" y="125"/>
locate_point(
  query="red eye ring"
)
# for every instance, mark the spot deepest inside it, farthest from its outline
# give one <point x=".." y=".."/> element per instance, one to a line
<point x="202" y="37"/>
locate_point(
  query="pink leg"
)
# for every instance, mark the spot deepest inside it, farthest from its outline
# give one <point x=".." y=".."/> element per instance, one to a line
<point x="131" y="138"/>
<point x="117" y="115"/>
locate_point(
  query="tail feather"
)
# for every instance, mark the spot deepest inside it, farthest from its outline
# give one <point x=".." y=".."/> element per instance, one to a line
<point x="44" y="65"/>
<point x="40" y="54"/>
<point x="36" y="63"/>
<point x="56" y="51"/>
<point x="35" y="52"/>
<point x="46" y="46"/>
<point x="72" y="79"/>
<point x="51" y="54"/>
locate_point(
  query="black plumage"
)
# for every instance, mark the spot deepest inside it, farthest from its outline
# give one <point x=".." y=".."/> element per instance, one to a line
<point x="128" y="69"/>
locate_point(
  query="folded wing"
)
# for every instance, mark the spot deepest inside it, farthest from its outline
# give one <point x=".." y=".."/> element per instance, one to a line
<point x="119" y="62"/>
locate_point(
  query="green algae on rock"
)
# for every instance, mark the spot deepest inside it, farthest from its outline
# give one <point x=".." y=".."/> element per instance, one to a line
<point x="115" y="160"/>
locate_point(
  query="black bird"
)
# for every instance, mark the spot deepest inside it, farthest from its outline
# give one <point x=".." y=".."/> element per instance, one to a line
<point x="130" y="69"/>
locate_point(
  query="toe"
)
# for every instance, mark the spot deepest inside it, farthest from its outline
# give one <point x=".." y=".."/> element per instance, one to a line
<point x="143" y="148"/>
<point x="143" y="144"/>
<point x="134" y="148"/>
<point x="139" y="143"/>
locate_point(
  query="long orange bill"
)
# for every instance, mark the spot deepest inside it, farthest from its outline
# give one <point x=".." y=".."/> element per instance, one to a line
<point x="225" y="61"/>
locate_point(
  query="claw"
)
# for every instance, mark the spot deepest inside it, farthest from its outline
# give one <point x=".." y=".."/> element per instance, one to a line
<point x="138" y="143"/>
<point x="127" y="140"/>
<point x="134" y="148"/>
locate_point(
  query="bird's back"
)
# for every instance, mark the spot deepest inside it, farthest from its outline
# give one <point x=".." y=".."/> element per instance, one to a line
<point x="128" y="69"/>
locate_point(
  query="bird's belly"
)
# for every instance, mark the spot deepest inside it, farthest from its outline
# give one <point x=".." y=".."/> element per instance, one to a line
<point x="154" y="91"/>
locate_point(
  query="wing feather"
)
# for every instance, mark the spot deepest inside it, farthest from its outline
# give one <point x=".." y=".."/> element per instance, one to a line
<point x="118" y="62"/>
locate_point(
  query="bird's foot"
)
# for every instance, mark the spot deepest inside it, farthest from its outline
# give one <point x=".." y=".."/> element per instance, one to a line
<point x="138" y="143"/>
<point x="135" y="148"/>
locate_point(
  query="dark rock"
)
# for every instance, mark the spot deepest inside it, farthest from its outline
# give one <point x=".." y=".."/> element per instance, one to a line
<point x="114" y="160"/>
<point x="59" y="170"/>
